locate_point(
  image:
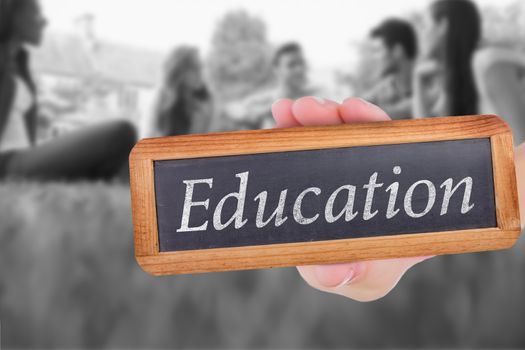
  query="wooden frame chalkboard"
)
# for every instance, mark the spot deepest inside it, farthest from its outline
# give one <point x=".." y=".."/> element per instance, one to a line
<point x="150" y="153"/>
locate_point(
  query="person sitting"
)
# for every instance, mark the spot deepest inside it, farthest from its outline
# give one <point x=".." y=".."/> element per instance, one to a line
<point x="395" y="44"/>
<point x="290" y="70"/>
<point x="443" y="77"/>
<point x="184" y="105"/>
<point x="98" y="152"/>
<point x="500" y="74"/>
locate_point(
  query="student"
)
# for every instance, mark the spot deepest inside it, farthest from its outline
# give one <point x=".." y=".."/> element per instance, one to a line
<point x="97" y="152"/>
<point x="395" y="45"/>
<point x="443" y="77"/>
<point x="184" y="105"/>
<point x="500" y="74"/>
<point x="290" y="70"/>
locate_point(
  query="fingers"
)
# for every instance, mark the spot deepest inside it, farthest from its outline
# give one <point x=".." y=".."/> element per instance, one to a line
<point x="313" y="111"/>
<point x="305" y="111"/>
<point x="361" y="281"/>
<point x="354" y="110"/>
<point x="282" y="113"/>
<point x="316" y="111"/>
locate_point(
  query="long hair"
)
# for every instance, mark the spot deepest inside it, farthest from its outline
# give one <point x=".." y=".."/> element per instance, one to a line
<point x="7" y="9"/>
<point x="462" y="39"/>
<point x="172" y="112"/>
<point x="9" y="68"/>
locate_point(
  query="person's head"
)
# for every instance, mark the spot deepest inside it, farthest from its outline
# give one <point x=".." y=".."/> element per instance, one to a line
<point x="452" y="34"/>
<point x="290" y="66"/>
<point x="451" y="25"/>
<point x="395" y="43"/>
<point x="21" y="22"/>
<point x="183" y="81"/>
<point x="183" y="69"/>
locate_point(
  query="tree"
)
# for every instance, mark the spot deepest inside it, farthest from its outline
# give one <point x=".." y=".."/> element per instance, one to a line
<point x="240" y="57"/>
<point x="505" y="26"/>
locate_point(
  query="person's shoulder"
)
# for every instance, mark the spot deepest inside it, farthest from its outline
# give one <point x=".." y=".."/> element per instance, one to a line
<point x="485" y="56"/>
<point x="385" y="82"/>
<point x="488" y="57"/>
<point x="256" y="97"/>
<point x="381" y="87"/>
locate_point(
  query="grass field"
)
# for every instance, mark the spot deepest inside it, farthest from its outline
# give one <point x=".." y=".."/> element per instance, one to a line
<point x="68" y="279"/>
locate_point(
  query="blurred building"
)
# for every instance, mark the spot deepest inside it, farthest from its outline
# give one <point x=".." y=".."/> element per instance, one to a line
<point x="83" y="79"/>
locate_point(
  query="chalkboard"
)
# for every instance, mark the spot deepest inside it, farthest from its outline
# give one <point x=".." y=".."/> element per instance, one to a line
<point x="298" y="196"/>
<point x="325" y="171"/>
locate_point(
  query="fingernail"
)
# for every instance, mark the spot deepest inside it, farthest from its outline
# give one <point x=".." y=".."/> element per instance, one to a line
<point x="325" y="102"/>
<point x="367" y="103"/>
<point x="321" y="100"/>
<point x="348" y="279"/>
<point x="335" y="275"/>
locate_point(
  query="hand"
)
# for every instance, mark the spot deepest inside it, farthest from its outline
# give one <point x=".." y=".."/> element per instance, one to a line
<point x="361" y="280"/>
<point x="427" y="69"/>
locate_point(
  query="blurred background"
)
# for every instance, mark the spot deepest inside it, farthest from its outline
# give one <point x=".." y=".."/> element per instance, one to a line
<point x="103" y="73"/>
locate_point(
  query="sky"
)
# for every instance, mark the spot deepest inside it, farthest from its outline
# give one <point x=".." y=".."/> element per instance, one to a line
<point x="320" y="25"/>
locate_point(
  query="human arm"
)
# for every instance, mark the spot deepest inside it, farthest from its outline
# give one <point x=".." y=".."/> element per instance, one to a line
<point x="498" y="73"/>
<point x="400" y="109"/>
<point x="427" y="97"/>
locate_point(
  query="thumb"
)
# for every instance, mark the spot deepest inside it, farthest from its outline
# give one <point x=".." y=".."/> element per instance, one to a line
<point x="361" y="281"/>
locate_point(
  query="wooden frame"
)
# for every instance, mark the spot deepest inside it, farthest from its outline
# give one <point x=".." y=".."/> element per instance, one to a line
<point x="309" y="138"/>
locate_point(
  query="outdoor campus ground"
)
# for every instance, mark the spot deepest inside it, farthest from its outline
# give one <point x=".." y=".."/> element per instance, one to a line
<point x="68" y="278"/>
